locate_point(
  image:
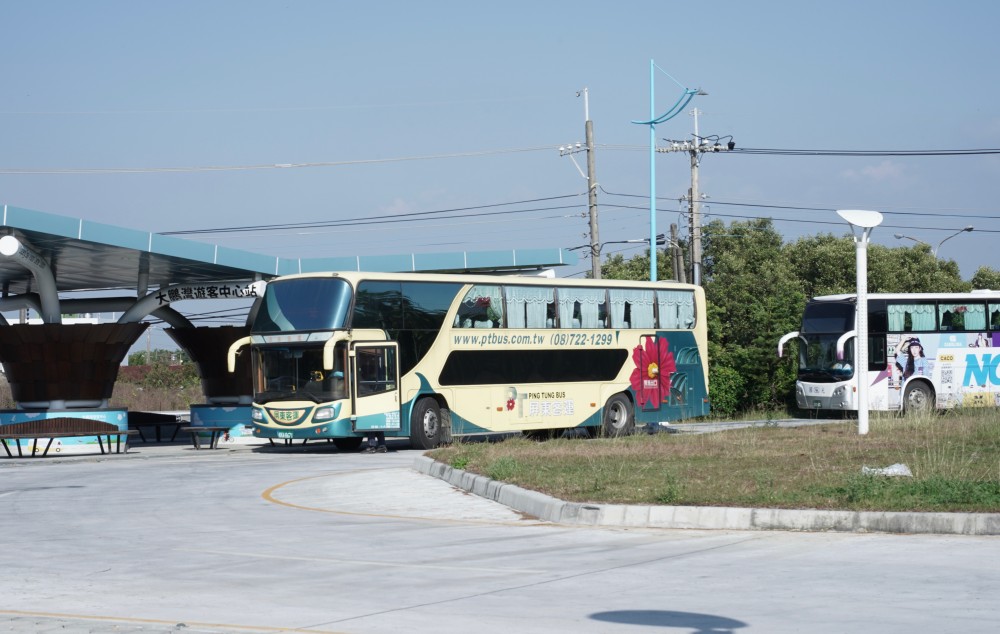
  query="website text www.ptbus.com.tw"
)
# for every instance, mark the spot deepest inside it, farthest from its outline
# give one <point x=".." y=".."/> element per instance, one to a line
<point x="555" y="339"/>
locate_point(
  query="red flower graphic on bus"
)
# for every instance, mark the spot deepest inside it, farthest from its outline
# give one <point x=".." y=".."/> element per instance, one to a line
<point x="654" y="365"/>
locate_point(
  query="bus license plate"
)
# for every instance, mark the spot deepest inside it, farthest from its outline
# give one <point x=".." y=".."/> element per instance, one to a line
<point x="284" y="434"/>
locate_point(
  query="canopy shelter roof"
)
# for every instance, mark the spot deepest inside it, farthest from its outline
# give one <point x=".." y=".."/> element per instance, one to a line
<point x="85" y="256"/>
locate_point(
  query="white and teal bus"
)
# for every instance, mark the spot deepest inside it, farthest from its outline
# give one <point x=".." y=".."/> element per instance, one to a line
<point x="425" y="356"/>
<point x="924" y="351"/>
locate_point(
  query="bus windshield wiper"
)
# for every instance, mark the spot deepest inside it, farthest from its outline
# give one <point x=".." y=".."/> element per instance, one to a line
<point x="812" y="374"/>
<point x="312" y="397"/>
<point x="277" y="395"/>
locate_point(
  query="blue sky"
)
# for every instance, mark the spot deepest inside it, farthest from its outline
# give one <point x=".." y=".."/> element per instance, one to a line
<point x="132" y="87"/>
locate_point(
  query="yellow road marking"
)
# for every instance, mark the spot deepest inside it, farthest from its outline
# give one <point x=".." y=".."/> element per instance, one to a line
<point x="269" y="495"/>
<point x="125" y="619"/>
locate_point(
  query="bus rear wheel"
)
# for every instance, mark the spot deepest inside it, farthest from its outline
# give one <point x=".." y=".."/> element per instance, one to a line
<point x="918" y="398"/>
<point x="425" y="424"/>
<point x="619" y="417"/>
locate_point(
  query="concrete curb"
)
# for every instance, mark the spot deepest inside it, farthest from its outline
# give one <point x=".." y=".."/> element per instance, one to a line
<point x="551" y="509"/>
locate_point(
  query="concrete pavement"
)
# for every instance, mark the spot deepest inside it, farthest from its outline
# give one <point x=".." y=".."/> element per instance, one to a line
<point x="525" y="503"/>
<point x="275" y="539"/>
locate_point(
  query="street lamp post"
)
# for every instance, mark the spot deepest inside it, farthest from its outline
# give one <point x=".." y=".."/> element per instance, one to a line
<point x="677" y="108"/>
<point x="934" y="250"/>
<point x="865" y="221"/>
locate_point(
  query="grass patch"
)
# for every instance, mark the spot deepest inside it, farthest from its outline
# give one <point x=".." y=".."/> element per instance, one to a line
<point x="954" y="458"/>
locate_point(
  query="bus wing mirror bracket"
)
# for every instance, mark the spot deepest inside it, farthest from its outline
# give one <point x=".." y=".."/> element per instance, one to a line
<point x="842" y="341"/>
<point x="784" y="340"/>
<point x="233" y="349"/>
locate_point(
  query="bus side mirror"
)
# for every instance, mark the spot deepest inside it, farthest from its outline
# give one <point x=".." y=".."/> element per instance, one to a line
<point x="784" y="340"/>
<point x="843" y="340"/>
<point x="233" y="350"/>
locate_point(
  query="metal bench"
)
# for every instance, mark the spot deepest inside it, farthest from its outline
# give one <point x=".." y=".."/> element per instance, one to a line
<point x="139" y="420"/>
<point x="214" y="434"/>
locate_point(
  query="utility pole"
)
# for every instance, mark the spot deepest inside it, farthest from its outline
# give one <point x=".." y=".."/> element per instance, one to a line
<point x="695" y="149"/>
<point x="677" y="259"/>
<point x="595" y="242"/>
<point x="569" y="150"/>
<point x="695" y="206"/>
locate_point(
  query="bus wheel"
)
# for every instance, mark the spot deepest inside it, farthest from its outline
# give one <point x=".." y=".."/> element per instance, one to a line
<point x="918" y="398"/>
<point x="425" y="424"/>
<point x="348" y="444"/>
<point x="619" y="419"/>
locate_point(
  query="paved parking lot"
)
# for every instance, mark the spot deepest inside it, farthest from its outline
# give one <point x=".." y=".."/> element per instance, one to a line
<point x="254" y="539"/>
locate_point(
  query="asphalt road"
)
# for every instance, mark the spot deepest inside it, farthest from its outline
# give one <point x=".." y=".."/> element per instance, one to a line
<point x="169" y="539"/>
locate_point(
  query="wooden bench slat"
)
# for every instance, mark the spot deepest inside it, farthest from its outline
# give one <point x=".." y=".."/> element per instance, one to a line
<point x="61" y="427"/>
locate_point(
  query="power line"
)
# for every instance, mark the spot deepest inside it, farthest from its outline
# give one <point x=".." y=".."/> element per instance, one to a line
<point x="542" y="148"/>
<point x="796" y="152"/>
<point x="777" y="152"/>
<point x="262" y="166"/>
<point x="804" y="208"/>
<point x="814" y="221"/>
<point x="397" y="218"/>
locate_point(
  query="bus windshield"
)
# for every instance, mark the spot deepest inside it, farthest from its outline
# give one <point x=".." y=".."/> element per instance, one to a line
<point x="818" y="358"/>
<point x="296" y="373"/>
<point x="822" y="325"/>
<point x="828" y="318"/>
<point x="297" y="304"/>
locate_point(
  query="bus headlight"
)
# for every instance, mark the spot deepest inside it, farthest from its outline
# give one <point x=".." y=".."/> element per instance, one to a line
<point x="257" y="414"/>
<point x="325" y="413"/>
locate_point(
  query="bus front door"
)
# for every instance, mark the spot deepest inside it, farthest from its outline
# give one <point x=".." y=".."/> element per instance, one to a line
<point x="375" y="386"/>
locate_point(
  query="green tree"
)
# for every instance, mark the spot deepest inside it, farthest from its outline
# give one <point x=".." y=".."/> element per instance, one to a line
<point x="636" y="268"/>
<point x="986" y="277"/>
<point x="824" y="264"/>
<point x="912" y="270"/>
<point x="755" y="298"/>
<point x="160" y="357"/>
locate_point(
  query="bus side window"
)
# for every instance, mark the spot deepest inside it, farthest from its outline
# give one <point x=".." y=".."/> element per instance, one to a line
<point x="482" y="307"/>
<point x="529" y="307"/>
<point x="582" y="307"/>
<point x="994" y="316"/>
<point x="877" y="354"/>
<point x="967" y="316"/>
<point x="910" y="317"/>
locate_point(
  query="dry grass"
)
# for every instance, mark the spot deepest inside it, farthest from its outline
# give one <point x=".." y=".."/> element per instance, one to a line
<point x="133" y="397"/>
<point x="954" y="458"/>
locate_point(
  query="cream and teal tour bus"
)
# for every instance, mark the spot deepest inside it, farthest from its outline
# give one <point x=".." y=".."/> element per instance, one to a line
<point x="336" y="356"/>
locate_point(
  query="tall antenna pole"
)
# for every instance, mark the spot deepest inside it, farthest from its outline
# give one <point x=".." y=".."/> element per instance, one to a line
<point x="652" y="175"/>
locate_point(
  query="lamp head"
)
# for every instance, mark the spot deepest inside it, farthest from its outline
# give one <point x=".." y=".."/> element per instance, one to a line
<point x="861" y="218"/>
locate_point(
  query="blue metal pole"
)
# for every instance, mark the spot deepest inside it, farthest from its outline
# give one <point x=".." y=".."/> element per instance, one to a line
<point x="652" y="177"/>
